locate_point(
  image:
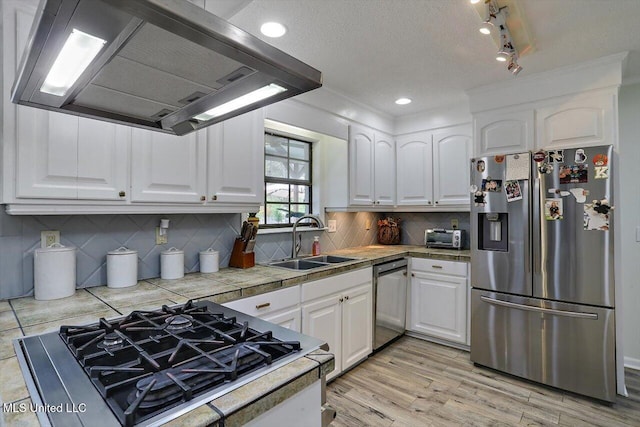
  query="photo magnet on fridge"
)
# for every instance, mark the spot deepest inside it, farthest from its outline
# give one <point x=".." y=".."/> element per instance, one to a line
<point x="553" y="209"/>
<point x="580" y="157"/>
<point x="556" y="156"/>
<point x="513" y="191"/>
<point x="480" y="166"/>
<point x="492" y="185"/>
<point x="570" y="174"/>
<point x="596" y="215"/>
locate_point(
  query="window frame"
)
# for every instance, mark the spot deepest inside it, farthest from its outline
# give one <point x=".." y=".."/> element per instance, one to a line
<point x="289" y="181"/>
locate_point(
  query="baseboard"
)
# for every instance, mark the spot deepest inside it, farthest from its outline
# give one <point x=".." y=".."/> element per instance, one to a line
<point x="423" y="337"/>
<point x="630" y="362"/>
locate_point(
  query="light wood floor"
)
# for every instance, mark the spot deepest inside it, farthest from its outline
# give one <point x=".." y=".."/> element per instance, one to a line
<point x="417" y="383"/>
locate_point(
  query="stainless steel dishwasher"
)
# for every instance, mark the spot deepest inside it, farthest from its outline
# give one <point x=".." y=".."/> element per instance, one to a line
<point x="390" y="285"/>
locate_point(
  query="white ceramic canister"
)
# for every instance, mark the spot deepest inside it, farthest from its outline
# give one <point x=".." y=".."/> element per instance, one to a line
<point x="122" y="268"/>
<point x="209" y="261"/>
<point x="54" y="272"/>
<point x="172" y="264"/>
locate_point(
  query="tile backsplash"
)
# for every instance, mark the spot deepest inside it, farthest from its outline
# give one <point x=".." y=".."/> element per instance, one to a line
<point x="95" y="235"/>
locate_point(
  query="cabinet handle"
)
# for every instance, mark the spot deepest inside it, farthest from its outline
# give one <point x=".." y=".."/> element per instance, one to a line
<point x="263" y="305"/>
<point x="122" y="194"/>
<point x="404" y="273"/>
<point x="214" y="197"/>
<point x="341" y="299"/>
<point x="346" y="297"/>
<point x="203" y="198"/>
<point x="413" y="275"/>
<point x="436" y="202"/>
<point x="437" y="266"/>
<point x="428" y="202"/>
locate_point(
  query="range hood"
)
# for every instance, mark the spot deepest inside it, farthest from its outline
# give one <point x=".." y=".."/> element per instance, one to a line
<point x="164" y="65"/>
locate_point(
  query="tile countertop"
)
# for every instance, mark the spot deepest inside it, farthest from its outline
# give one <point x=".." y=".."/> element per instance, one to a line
<point x="26" y="316"/>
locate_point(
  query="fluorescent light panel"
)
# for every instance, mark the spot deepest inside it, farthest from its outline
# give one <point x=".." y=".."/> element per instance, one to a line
<point x="242" y="101"/>
<point x="78" y="52"/>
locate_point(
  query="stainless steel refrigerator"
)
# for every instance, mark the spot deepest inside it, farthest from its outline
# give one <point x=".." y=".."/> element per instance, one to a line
<point x="542" y="299"/>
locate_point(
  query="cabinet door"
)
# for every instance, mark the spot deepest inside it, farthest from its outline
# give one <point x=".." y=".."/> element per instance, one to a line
<point x="167" y="168"/>
<point x="361" y="166"/>
<point x="579" y="122"/>
<point x="322" y="319"/>
<point x="102" y="160"/>
<point x="414" y="166"/>
<point x="357" y="324"/>
<point x="503" y="132"/>
<point x="451" y="154"/>
<point x="236" y="159"/>
<point x="384" y="170"/>
<point x="47" y="149"/>
<point x="289" y="319"/>
<point x="439" y="306"/>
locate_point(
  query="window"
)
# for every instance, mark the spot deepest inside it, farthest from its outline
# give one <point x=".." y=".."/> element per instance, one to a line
<point x="287" y="180"/>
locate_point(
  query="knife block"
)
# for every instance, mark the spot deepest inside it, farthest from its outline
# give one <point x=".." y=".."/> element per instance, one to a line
<point x="239" y="258"/>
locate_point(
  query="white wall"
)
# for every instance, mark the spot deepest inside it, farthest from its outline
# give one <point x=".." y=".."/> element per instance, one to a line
<point x="628" y="202"/>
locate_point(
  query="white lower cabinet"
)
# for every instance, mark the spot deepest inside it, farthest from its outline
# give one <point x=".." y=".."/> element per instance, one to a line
<point x="439" y="299"/>
<point x="339" y="311"/>
<point x="281" y="307"/>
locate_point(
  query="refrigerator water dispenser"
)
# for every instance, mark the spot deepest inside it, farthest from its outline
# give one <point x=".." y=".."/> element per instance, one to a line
<point x="493" y="231"/>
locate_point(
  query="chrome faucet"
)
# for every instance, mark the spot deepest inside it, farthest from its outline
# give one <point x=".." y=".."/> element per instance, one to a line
<point x="295" y="242"/>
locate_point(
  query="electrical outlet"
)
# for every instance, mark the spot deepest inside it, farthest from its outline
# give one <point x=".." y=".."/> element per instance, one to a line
<point x="161" y="239"/>
<point x="332" y="225"/>
<point x="454" y="223"/>
<point x="48" y="238"/>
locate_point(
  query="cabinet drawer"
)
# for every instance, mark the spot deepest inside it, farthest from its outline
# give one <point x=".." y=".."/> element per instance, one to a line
<point x="260" y="305"/>
<point x="454" y="268"/>
<point x="335" y="284"/>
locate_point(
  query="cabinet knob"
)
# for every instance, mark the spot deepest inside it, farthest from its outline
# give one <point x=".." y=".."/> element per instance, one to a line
<point x="263" y="305"/>
<point x="436" y="202"/>
<point x="341" y="299"/>
<point x="413" y="275"/>
<point x="214" y="197"/>
<point x="404" y="273"/>
<point x="346" y="297"/>
<point x="428" y="202"/>
<point x="203" y="198"/>
<point x="122" y="194"/>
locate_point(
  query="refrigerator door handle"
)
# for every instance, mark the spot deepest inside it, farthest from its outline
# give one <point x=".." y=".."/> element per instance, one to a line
<point x="591" y="316"/>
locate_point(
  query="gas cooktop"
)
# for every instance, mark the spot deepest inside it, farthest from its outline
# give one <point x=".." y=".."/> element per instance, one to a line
<point x="151" y="366"/>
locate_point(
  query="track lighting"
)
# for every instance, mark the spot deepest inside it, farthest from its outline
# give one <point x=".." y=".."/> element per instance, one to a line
<point x="506" y="48"/>
<point x="486" y="27"/>
<point x="514" y="67"/>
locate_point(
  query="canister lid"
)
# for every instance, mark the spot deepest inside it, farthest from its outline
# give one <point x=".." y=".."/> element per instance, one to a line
<point x="122" y="250"/>
<point x="56" y="247"/>
<point x="173" y="251"/>
<point x="209" y="251"/>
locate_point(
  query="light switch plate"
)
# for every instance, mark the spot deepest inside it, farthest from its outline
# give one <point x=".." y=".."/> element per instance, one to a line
<point x="454" y="223"/>
<point x="331" y="224"/>
<point x="161" y="239"/>
<point x="49" y="237"/>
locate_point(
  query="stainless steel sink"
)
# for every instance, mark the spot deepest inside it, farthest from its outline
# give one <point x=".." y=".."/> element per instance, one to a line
<point x="298" y="264"/>
<point x="331" y="259"/>
<point x="310" y="263"/>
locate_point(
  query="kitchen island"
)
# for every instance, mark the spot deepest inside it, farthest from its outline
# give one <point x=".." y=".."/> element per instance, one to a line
<point x="26" y="316"/>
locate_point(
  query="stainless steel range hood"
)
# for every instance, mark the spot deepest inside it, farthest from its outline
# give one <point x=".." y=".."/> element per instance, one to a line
<point x="165" y="65"/>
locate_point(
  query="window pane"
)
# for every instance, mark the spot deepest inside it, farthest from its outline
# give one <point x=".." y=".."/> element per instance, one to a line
<point x="297" y="211"/>
<point x="276" y="167"/>
<point x="277" y="192"/>
<point x="260" y="215"/>
<point x="300" y="193"/>
<point x="299" y="150"/>
<point x="277" y="213"/>
<point x="276" y="145"/>
<point x="299" y="170"/>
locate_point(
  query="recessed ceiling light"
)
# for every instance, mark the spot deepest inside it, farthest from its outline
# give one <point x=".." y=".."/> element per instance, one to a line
<point x="273" y="29"/>
<point x="403" y="101"/>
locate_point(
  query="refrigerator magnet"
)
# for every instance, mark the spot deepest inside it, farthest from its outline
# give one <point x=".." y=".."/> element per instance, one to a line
<point x="600" y="160"/>
<point x="479" y="198"/>
<point x="499" y="159"/>
<point x="580" y="194"/>
<point x="480" y="166"/>
<point x="539" y="156"/>
<point x="601" y="172"/>
<point x="492" y="185"/>
<point x="571" y="174"/>
<point x="596" y="215"/>
<point x="580" y="157"/>
<point x="553" y="209"/>
<point x="513" y="191"/>
<point x="556" y="156"/>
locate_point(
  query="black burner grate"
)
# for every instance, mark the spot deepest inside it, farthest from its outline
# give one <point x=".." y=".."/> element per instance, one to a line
<point x="151" y="361"/>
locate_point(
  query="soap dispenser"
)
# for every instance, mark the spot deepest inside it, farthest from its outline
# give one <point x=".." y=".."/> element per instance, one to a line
<point x="315" y="248"/>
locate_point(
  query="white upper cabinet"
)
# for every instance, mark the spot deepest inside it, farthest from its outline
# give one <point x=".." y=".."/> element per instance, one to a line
<point x="577" y="122"/>
<point x="414" y="155"/>
<point x="451" y="154"/>
<point x="503" y="131"/>
<point x="361" y="165"/>
<point x="384" y="170"/>
<point x="168" y="168"/>
<point x="58" y="156"/>
<point x="236" y="159"/>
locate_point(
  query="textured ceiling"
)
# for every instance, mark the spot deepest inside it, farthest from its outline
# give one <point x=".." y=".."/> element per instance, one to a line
<point x="374" y="51"/>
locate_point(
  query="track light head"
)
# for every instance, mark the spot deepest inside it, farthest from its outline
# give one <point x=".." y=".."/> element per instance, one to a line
<point x="514" y="67"/>
<point x="486" y="27"/>
<point x="506" y="50"/>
